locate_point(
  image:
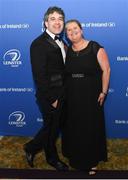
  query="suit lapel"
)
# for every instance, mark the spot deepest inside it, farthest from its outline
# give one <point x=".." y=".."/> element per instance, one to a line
<point x="50" y="40"/>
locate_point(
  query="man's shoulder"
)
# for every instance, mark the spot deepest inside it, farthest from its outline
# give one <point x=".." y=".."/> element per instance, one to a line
<point x="38" y="40"/>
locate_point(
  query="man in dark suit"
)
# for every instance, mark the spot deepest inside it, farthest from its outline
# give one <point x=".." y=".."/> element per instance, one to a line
<point x="47" y="60"/>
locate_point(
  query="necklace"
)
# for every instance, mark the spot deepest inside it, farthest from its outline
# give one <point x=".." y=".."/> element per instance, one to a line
<point x="80" y="46"/>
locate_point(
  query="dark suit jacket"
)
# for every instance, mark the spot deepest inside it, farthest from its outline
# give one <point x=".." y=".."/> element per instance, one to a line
<point x="47" y="67"/>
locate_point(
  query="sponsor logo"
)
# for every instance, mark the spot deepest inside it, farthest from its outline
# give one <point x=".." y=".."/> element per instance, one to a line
<point x="17" y="119"/>
<point x="43" y="29"/>
<point x="111" y="90"/>
<point x="93" y="25"/>
<point x="14" y="26"/>
<point x="39" y="120"/>
<point x="19" y="90"/>
<point x="122" y="58"/>
<point x="121" y="121"/>
<point x="12" y="58"/>
<point x="99" y="24"/>
<point x="127" y="92"/>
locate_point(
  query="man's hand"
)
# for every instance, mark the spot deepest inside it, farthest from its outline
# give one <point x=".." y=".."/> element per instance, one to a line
<point x="55" y="104"/>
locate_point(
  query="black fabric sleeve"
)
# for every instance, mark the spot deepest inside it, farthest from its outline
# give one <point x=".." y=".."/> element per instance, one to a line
<point x="96" y="46"/>
<point x="39" y="70"/>
<point x="38" y="62"/>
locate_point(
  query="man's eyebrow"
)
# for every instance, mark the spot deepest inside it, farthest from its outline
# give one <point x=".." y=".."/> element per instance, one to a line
<point x="61" y="17"/>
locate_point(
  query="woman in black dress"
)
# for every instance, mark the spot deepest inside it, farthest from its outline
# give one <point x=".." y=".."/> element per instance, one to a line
<point x="87" y="78"/>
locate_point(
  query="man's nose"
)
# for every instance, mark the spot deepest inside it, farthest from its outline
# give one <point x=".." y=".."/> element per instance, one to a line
<point x="57" y="21"/>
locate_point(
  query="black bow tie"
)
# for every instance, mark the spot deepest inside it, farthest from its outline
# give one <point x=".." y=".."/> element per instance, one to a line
<point x="58" y="38"/>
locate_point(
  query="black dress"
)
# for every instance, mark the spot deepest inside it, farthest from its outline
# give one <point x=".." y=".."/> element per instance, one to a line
<point x="83" y="139"/>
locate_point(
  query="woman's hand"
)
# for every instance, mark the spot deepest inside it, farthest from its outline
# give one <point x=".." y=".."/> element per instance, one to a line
<point x="55" y="104"/>
<point x="101" y="98"/>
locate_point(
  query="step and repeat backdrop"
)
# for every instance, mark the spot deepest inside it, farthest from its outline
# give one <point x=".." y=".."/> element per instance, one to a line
<point x="21" y="22"/>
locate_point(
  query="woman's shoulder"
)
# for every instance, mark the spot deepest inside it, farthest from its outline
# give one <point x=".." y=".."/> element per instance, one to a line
<point x="96" y="46"/>
<point x="95" y="43"/>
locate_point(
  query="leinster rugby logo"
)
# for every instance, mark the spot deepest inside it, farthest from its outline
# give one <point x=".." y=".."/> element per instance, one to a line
<point x="12" y="58"/>
<point x="17" y="119"/>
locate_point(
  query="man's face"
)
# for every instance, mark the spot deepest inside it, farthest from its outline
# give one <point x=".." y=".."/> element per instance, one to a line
<point x="55" y="23"/>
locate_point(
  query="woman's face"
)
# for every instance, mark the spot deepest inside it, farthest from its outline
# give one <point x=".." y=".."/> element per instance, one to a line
<point x="73" y="31"/>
